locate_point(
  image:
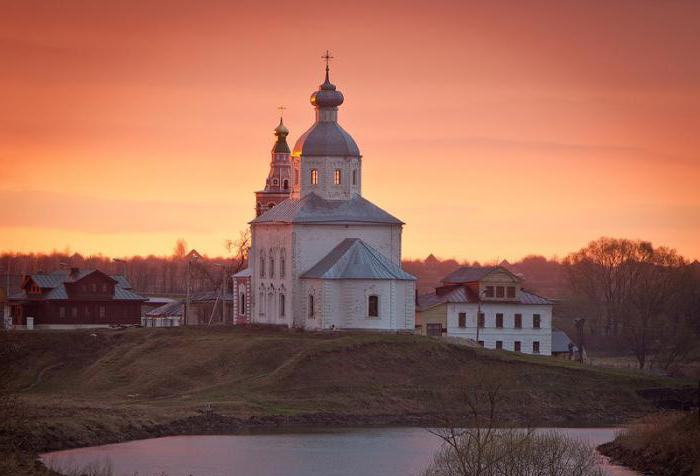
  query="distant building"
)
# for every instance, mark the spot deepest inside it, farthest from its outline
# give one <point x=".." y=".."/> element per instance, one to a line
<point x="511" y="318"/>
<point x="242" y="297"/>
<point x="167" y="315"/>
<point x="283" y="178"/>
<point x="209" y="308"/>
<point x="562" y="345"/>
<point x="75" y="298"/>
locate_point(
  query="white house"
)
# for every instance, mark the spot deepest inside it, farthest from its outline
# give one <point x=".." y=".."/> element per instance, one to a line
<point x="325" y="257"/>
<point x="510" y="317"/>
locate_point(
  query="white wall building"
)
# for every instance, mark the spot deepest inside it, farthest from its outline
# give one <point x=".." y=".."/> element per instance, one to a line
<point x="326" y="258"/>
<point x="511" y="318"/>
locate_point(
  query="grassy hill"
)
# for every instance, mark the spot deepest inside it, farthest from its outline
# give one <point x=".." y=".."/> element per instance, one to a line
<point x="84" y="387"/>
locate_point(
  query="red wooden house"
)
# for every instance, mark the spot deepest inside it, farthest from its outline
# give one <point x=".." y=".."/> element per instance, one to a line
<point x="76" y="298"/>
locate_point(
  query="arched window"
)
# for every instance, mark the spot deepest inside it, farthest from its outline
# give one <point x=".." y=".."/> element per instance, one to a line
<point x="285" y="184"/>
<point x="262" y="263"/>
<point x="283" y="263"/>
<point x="354" y="177"/>
<point x="272" y="263"/>
<point x="311" y="305"/>
<point x="270" y="205"/>
<point x="337" y="178"/>
<point x="261" y="301"/>
<point x="282" y="307"/>
<point x="314" y="177"/>
<point x="241" y="304"/>
<point x="275" y="182"/>
<point x="373" y="306"/>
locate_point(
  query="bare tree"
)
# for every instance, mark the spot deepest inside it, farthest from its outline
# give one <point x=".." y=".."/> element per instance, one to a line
<point x="239" y="250"/>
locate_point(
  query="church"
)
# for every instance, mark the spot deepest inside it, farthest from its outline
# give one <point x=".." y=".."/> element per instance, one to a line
<point x="322" y="256"/>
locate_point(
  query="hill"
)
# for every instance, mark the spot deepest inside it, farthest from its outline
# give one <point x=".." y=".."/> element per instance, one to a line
<point x="85" y="388"/>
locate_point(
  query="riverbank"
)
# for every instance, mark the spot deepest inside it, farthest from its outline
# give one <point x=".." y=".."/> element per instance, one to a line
<point x="90" y="388"/>
<point x="665" y="444"/>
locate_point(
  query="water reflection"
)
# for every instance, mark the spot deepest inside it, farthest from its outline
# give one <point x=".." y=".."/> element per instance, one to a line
<point x="375" y="451"/>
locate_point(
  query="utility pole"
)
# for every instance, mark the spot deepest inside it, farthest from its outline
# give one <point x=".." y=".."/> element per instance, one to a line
<point x="579" y="336"/>
<point x="478" y="315"/>
<point x="191" y="256"/>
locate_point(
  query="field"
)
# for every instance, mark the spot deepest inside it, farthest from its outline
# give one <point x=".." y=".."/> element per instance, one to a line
<point x="82" y="388"/>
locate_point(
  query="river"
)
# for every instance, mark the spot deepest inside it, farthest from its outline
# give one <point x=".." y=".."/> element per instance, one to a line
<point x="333" y="452"/>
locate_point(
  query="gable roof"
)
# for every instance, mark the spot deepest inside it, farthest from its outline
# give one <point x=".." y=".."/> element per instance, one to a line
<point x="172" y="309"/>
<point x="313" y="209"/>
<point x="468" y="274"/>
<point x="355" y="259"/>
<point x="460" y="294"/>
<point x="560" y="341"/>
<point x="55" y="285"/>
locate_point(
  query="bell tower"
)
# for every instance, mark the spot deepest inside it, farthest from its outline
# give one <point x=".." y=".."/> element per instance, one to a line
<point x="283" y="179"/>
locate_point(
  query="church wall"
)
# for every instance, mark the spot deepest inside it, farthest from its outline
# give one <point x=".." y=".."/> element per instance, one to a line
<point x="313" y="242"/>
<point x="278" y="239"/>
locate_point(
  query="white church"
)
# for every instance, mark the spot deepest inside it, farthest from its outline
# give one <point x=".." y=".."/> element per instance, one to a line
<point x="322" y="256"/>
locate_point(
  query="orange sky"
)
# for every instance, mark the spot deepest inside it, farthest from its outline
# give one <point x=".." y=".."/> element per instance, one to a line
<point x="495" y="129"/>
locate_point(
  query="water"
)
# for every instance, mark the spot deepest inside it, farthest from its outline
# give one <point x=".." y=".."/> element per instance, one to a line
<point x="349" y="452"/>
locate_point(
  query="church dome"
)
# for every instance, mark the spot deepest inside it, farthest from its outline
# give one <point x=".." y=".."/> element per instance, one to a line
<point x="326" y="137"/>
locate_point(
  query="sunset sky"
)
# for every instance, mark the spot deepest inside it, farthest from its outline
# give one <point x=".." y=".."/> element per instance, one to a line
<point x="494" y="129"/>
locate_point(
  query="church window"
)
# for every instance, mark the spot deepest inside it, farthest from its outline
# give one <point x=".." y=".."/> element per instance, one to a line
<point x="260" y="304"/>
<point x="296" y="175"/>
<point x="285" y="184"/>
<point x="270" y="205"/>
<point x="283" y="263"/>
<point x="275" y="182"/>
<point x="337" y="177"/>
<point x="272" y="264"/>
<point x="282" y="307"/>
<point x="314" y="177"/>
<point x="354" y="177"/>
<point x="373" y="306"/>
<point x="262" y="264"/>
<point x="241" y="304"/>
<point x="500" y="291"/>
<point x="311" y="305"/>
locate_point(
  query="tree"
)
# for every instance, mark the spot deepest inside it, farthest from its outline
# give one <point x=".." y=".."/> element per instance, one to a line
<point x="239" y="250"/>
<point x="180" y="249"/>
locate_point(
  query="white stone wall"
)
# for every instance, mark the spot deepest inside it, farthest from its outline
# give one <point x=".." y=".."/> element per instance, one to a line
<point x="508" y="334"/>
<point x="266" y="290"/>
<point x="344" y="304"/>
<point x="326" y="167"/>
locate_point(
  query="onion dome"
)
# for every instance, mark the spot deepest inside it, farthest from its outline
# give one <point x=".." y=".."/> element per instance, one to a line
<point x="327" y="95"/>
<point x="281" y="146"/>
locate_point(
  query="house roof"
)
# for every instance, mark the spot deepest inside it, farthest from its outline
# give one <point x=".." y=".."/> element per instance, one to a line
<point x="313" y="209"/>
<point x="560" y="341"/>
<point x="54" y="284"/>
<point x="172" y="309"/>
<point x="460" y="294"/>
<point x="210" y="296"/>
<point x="467" y="274"/>
<point x="355" y="259"/>
<point x="244" y="273"/>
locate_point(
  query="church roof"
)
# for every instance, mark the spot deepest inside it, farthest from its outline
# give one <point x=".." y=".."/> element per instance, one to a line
<point x="326" y="139"/>
<point x="355" y="259"/>
<point x="313" y="209"/>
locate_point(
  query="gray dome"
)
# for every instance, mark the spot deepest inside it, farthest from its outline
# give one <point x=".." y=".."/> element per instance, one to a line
<point x="326" y="139"/>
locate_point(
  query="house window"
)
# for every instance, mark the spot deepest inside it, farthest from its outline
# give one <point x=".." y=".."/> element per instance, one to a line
<point x="373" y="306"/>
<point x="86" y="312"/>
<point x="61" y="311"/>
<point x="354" y="177"/>
<point x="516" y="346"/>
<point x="93" y="287"/>
<point x="499" y="320"/>
<point x="500" y="291"/>
<point x="337" y="177"/>
<point x="489" y="291"/>
<point x="314" y="177"/>
<point x="83" y="288"/>
<point x="104" y="288"/>
<point x="482" y="319"/>
<point x="282" y="305"/>
<point x="74" y="311"/>
<point x="510" y="292"/>
<point x="311" y="305"/>
<point x="242" y="304"/>
<point x="103" y="312"/>
<point x="536" y="347"/>
<point x="462" y="319"/>
<point x="499" y="344"/>
<point x="285" y="184"/>
<point x="536" y="321"/>
<point x="518" y="321"/>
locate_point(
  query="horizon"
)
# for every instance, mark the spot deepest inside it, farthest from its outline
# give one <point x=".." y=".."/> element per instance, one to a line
<point x="130" y="126"/>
